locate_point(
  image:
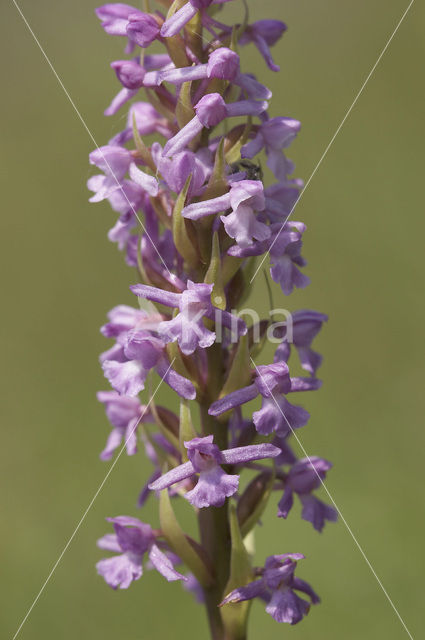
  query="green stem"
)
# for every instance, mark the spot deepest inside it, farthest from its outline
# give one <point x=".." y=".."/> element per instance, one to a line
<point x="215" y="538"/>
<point x="214" y="521"/>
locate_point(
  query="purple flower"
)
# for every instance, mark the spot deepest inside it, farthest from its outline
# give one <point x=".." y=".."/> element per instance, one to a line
<point x="136" y="353"/>
<point x="124" y="20"/>
<point x="114" y="17"/>
<point x="272" y="382"/>
<point x="264" y="34"/>
<point x="284" y="245"/>
<point x="176" y="171"/>
<point x="130" y="73"/>
<point x="244" y="198"/>
<point x="276" y="413"/>
<point x="281" y="198"/>
<point x="142" y="352"/>
<point x="126" y="198"/>
<point x="114" y="161"/>
<point x="124" y="318"/>
<point x="132" y="540"/>
<point x="115" y="11"/>
<point x="306" y="325"/>
<point x="145" y="121"/>
<point x="286" y="455"/>
<point x="210" y="111"/>
<point x="124" y="414"/>
<point x="148" y="121"/>
<point x="121" y="232"/>
<point x="277" y="587"/>
<point x="304" y="477"/>
<point x="223" y="63"/>
<point x="205" y="458"/>
<point x="275" y="134"/>
<point x="285" y="256"/>
<point x="187" y="328"/>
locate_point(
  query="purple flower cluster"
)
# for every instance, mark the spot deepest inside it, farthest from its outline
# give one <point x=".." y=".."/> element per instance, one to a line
<point x="193" y="215"/>
<point x="277" y="586"/>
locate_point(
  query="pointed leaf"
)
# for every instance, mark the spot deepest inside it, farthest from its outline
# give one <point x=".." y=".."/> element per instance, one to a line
<point x="217" y="185"/>
<point x="234" y="154"/>
<point x="194" y="36"/>
<point x="175" y="45"/>
<point x="237" y="33"/>
<point x="159" y="105"/>
<point x="160" y="207"/>
<point x="230" y="267"/>
<point x="240" y="370"/>
<point x="144" y="152"/>
<point x="254" y="500"/>
<point x="177" y="51"/>
<point x="184" y="109"/>
<point x="235" y="616"/>
<point x="162" y="428"/>
<point x="248" y="272"/>
<point x="180" y="229"/>
<point x="174" y="7"/>
<point x="187" y="430"/>
<point x="257" y="337"/>
<point x="214" y="276"/>
<point x="179" y="542"/>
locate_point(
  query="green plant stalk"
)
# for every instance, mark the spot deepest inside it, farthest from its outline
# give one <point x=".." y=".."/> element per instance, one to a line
<point x="214" y="523"/>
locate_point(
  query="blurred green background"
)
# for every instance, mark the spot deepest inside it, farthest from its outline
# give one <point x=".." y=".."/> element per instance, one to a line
<point x="364" y="211"/>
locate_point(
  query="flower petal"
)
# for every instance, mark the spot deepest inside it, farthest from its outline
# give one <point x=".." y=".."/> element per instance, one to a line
<point x="177" y="474"/>
<point x="163" y="564"/>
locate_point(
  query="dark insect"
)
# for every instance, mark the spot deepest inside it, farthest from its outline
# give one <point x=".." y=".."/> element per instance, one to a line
<point x="253" y="171"/>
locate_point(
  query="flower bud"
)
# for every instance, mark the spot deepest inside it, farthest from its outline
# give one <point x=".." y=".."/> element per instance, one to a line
<point x="129" y="73"/>
<point x="223" y="63"/>
<point x="211" y="110"/>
